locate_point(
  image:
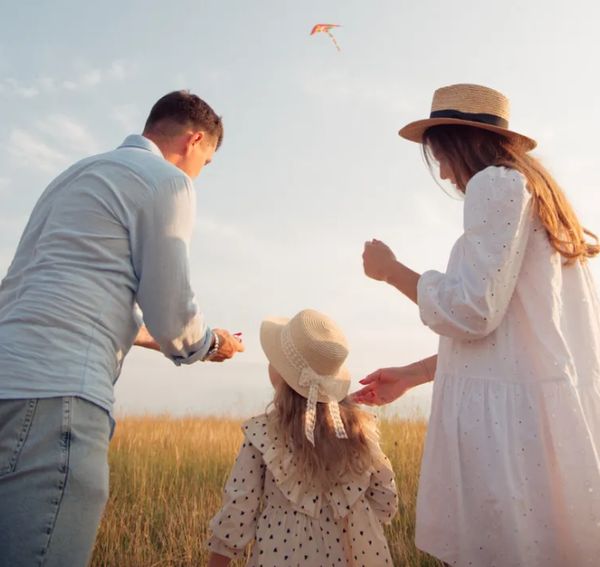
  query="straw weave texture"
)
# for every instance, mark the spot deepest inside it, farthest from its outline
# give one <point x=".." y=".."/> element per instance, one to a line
<point x="471" y="98"/>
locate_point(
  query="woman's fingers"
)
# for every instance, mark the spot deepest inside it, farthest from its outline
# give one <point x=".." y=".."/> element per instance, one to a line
<point x="367" y="395"/>
<point x="373" y="377"/>
<point x="363" y="391"/>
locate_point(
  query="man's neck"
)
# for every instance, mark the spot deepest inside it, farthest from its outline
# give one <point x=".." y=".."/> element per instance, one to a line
<point x="165" y="146"/>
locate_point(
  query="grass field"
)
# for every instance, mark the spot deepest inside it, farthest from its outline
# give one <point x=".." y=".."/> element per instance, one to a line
<point x="166" y="481"/>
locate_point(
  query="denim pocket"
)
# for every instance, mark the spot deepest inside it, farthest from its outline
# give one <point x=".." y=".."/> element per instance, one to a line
<point x="15" y="422"/>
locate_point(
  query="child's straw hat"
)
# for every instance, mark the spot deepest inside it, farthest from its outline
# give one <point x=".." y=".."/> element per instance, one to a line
<point x="309" y="352"/>
<point x="469" y="105"/>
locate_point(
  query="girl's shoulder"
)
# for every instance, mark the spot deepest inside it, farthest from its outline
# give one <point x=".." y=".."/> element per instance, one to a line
<point x="256" y="430"/>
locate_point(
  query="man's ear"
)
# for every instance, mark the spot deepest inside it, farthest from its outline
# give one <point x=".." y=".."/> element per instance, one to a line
<point x="191" y="140"/>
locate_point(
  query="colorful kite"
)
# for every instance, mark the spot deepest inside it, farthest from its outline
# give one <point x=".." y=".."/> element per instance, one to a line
<point x="326" y="28"/>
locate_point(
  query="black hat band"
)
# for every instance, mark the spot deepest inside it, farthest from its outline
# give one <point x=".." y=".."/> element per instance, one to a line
<point x="472" y="116"/>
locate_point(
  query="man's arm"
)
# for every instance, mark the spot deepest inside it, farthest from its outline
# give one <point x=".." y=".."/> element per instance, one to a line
<point x="160" y="240"/>
<point x="145" y="339"/>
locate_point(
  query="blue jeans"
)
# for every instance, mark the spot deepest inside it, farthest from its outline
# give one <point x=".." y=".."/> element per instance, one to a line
<point x="53" y="480"/>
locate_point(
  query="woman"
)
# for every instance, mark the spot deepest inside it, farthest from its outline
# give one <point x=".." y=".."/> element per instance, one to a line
<point x="511" y="471"/>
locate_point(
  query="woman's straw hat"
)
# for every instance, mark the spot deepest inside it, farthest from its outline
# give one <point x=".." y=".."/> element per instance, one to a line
<point x="468" y="105"/>
<point x="309" y="352"/>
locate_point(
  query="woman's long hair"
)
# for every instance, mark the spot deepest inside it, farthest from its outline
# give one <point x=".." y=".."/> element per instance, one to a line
<point x="468" y="150"/>
<point x="330" y="460"/>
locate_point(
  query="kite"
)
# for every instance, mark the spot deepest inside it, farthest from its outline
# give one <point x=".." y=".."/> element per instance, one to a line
<point x="326" y="28"/>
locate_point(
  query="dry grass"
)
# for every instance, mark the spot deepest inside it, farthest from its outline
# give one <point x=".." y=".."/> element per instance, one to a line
<point x="166" y="481"/>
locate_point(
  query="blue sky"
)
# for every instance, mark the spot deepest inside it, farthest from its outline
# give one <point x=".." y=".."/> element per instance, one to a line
<point x="311" y="164"/>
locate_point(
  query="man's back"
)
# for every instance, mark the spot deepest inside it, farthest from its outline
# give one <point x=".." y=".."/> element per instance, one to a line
<point x="111" y="231"/>
<point x="67" y="302"/>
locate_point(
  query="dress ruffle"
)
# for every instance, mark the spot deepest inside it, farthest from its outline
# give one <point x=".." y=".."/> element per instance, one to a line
<point x="306" y="497"/>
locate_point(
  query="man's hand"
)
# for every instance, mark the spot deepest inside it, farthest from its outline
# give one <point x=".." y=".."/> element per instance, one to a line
<point x="378" y="260"/>
<point x="229" y="345"/>
<point x="145" y="339"/>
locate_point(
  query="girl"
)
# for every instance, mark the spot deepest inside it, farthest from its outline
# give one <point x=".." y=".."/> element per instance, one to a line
<point x="510" y="474"/>
<point x="310" y="485"/>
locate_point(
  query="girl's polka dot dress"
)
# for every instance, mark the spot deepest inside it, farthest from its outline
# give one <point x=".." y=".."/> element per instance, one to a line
<point x="293" y="523"/>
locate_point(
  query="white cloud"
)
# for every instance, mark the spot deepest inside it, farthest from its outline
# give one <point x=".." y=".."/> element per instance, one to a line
<point x="86" y="77"/>
<point x="128" y="116"/>
<point x="119" y="70"/>
<point x="28" y="149"/>
<point x="90" y="78"/>
<point x="50" y="144"/>
<point x="69" y="133"/>
<point x="23" y="91"/>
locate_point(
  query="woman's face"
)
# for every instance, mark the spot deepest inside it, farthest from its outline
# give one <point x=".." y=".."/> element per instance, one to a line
<point x="446" y="171"/>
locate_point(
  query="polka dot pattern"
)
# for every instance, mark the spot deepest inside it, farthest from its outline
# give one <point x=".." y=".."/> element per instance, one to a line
<point x="303" y="525"/>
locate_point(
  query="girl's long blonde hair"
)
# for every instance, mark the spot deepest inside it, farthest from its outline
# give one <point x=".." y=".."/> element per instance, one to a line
<point x="330" y="460"/>
<point x="468" y="150"/>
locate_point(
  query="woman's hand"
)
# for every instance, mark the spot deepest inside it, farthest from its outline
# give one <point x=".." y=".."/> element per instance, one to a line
<point x="382" y="387"/>
<point x="378" y="260"/>
<point x="388" y="384"/>
<point x="380" y="264"/>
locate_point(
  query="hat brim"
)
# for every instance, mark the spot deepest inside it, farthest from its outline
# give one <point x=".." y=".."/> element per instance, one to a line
<point x="270" y="340"/>
<point x="415" y="130"/>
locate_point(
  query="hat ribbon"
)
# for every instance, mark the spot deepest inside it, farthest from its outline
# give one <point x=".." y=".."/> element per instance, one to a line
<point x="315" y="382"/>
<point x="472" y="116"/>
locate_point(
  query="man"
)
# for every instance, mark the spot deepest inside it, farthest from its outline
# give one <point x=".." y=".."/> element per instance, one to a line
<point x="110" y="232"/>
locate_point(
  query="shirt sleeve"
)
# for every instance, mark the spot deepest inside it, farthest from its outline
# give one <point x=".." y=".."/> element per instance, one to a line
<point x="160" y="255"/>
<point x="382" y="493"/>
<point x="471" y="298"/>
<point x="234" y="526"/>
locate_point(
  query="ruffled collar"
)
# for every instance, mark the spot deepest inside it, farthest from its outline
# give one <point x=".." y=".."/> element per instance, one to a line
<point x="306" y="497"/>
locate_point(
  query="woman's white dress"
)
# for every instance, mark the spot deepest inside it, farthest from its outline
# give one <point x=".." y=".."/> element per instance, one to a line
<point x="511" y="470"/>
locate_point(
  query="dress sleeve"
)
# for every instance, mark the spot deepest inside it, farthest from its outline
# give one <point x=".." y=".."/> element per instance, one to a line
<point x="234" y="526"/>
<point x="382" y="493"/>
<point x="471" y="298"/>
<point x="160" y="255"/>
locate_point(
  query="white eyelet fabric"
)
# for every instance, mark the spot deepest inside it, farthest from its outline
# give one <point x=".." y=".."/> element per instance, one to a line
<point x="511" y="472"/>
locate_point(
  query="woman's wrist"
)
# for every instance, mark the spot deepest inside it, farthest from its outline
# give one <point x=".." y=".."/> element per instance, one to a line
<point x="423" y="371"/>
<point x="403" y="279"/>
<point x="416" y="373"/>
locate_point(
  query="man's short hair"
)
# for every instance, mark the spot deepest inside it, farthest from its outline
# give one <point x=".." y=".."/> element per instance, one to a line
<point x="183" y="109"/>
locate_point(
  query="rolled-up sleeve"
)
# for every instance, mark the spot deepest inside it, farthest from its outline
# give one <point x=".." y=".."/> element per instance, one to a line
<point x="160" y="254"/>
<point x="471" y="298"/>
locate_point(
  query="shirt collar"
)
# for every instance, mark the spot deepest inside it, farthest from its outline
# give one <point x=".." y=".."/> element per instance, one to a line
<point x="139" y="141"/>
